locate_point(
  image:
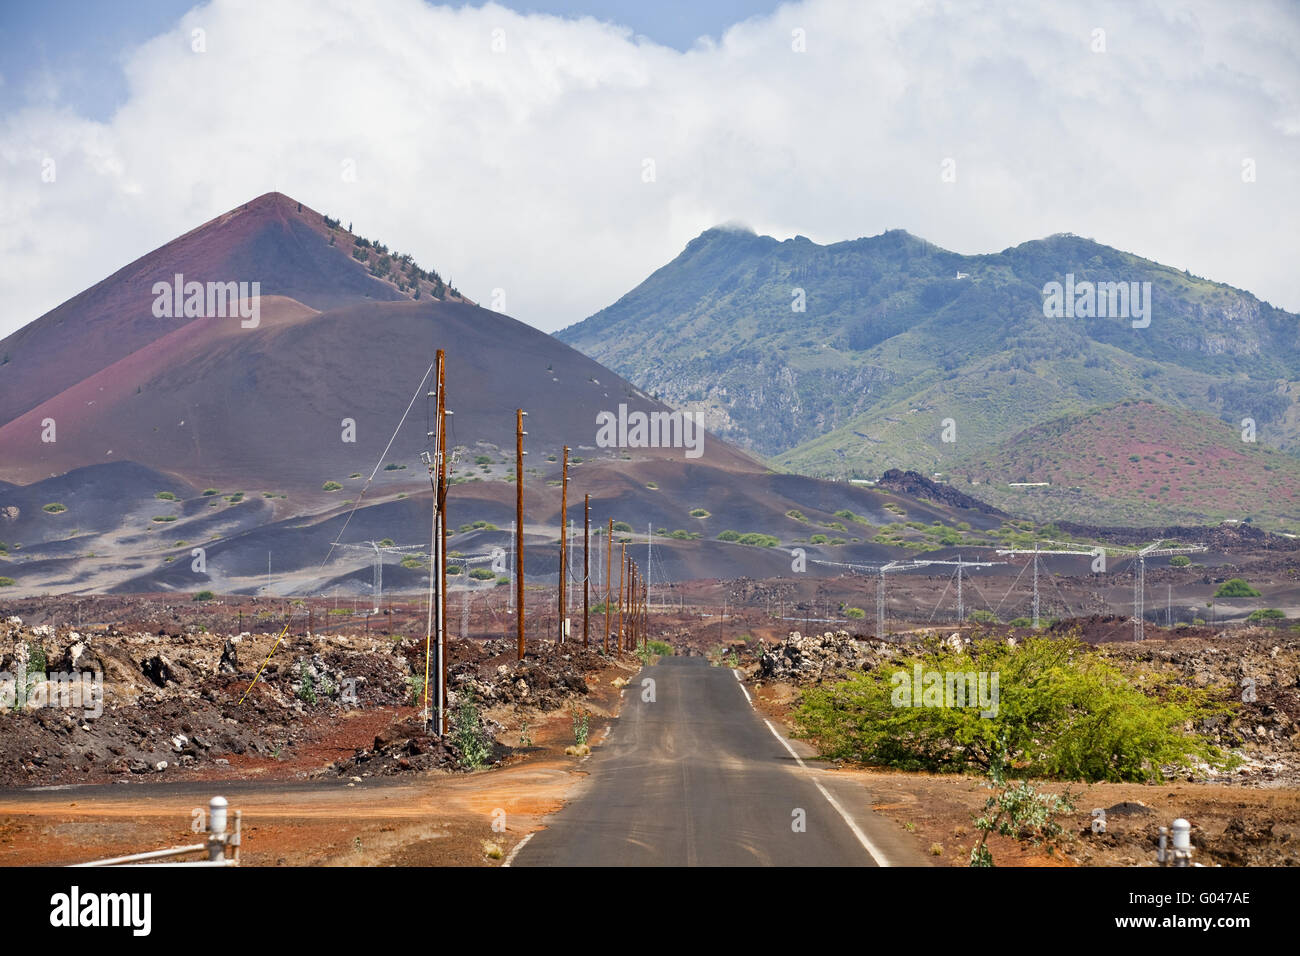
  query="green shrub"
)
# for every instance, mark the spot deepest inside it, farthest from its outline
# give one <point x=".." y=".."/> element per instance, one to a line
<point x="306" y="688"/>
<point x="7" y="582"/>
<point x="981" y="616"/>
<point x="203" y="596"/>
<point x="699" y="513"/>
<point x="1179" y="561"/>
<point x="1267" y="614"/>
<point x="729" y="536"/>
<point x="1235" y="587"/>
<point x="482" y="574"/>
<point x="164" y="518"/>
<point x="854" y="613"/>
<point x="467" y="733"/>
<point x="581" y="719"/>
<point x="209" y="492"/>
<point x="330" y="486"/>
<point x="165" y="495"/>
<point x="1062" y="711"/>
<point x="55" y="507"/>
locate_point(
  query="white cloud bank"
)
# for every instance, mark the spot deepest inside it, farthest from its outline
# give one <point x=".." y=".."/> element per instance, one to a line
<point x="522" y="168"/>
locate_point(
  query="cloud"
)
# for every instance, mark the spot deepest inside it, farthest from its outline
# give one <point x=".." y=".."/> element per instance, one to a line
<point x="513" y="151"/>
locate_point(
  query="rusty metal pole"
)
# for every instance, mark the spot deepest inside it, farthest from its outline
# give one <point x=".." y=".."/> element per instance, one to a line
<point x="564" y="522"/>
<point x="609" y="575"/>
<point x="442" y="541"/>
<point x="622" y="573"/>
<point x="586" y="568"/>
<point x="519" y="525"/>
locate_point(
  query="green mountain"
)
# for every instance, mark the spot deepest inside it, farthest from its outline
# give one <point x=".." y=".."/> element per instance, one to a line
<point x="901" y="344"/>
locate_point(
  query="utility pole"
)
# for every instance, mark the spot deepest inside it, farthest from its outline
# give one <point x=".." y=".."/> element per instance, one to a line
<point x="649" y="554"/>
<point x="428" y="459"/>
<point x="510" y="563"/>
<point x="442" y="542"/>
<point x="622" y="574"/>
<point x="633" y="588"/>
<point x="961" y="608"/>
<point x="564" y="557"/>
<point x="609" y="577"/>
<point x="519" y="523"/>
<point x="1035" y="585"/>
<point x="586" y="568"/>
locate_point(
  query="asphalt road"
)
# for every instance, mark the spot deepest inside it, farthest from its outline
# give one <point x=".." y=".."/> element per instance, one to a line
<point x="697" y="778"/>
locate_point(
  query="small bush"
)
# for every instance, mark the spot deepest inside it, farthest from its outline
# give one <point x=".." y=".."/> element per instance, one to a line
<point x="330" y="486"/>
<point x="55" y="507"/>
<point x="165" y="495"/>
<point x="203" y="596"/>
<point x="1267" y="614"/>
<point x="697" y="513"/>
<point x="1179" y="561"/>
<point x="1235" y="587"/>
<point x="7" y="582"/>
<point x="482" y="574"/>
<point x="467" y="733"/>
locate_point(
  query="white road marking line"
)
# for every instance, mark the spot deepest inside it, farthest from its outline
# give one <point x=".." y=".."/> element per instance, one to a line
<point x="736" y="673"/>
<point x="857" y="831"/>
<point x="518" y="846"/>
